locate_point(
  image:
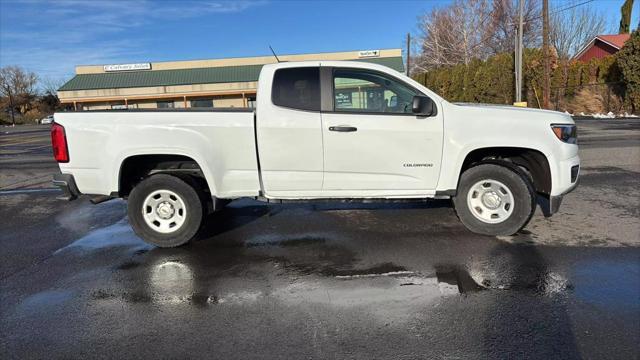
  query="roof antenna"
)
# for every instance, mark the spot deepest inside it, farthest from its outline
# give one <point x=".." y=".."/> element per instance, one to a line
<point x="274" y="53"/>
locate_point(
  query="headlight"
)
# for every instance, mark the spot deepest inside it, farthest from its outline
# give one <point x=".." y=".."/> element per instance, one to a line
<point x="566" y="133"/>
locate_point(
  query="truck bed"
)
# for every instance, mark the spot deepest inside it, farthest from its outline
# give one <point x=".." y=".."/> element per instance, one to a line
<point x="221" y="140"/>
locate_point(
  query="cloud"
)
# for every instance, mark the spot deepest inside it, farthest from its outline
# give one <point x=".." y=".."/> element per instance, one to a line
<point x="51" y="37"/>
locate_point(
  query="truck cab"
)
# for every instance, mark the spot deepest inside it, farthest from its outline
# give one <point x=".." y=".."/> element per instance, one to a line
<point x="337" y="129"/>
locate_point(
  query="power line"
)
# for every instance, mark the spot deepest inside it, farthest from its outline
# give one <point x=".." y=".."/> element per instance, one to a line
<point x="564" y="9"/>
<point x="571" y="7"/>
<point x="554" y="12"/>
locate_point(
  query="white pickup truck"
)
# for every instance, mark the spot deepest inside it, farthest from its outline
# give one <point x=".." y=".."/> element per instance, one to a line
<point x="322" y="130"/>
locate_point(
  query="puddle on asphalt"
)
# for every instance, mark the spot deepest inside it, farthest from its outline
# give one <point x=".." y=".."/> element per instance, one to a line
<point x="314" y="267"/>
<point x="28" y="191"/>
<point x="391" y="286"/>
<point x="621" y="280"/>
<point x="118" y="234"/>
<point x="384" y="269"/>
<point x="306" y="240"/>
<point x="44" y="301"/>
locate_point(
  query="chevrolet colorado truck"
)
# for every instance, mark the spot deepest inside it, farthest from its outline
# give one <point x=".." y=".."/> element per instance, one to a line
<point x="323" y="130"/>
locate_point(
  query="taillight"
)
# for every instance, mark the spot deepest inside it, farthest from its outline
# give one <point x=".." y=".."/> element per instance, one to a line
<point x="59" y="143"/>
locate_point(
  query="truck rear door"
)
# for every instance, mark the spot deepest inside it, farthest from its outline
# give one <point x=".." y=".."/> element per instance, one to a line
<point x="289" y="130"/>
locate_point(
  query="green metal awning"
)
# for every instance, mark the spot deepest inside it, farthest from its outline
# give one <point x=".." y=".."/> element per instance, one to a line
<point x="212" y="75"/>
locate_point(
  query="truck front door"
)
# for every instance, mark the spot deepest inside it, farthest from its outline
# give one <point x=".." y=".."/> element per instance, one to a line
<point x="373" y="141"/>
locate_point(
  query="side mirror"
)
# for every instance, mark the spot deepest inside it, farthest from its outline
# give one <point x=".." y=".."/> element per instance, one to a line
<point x="423" y="106"/>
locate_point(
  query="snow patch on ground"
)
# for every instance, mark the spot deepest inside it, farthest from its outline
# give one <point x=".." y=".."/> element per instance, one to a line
<point x="609" y="115"/>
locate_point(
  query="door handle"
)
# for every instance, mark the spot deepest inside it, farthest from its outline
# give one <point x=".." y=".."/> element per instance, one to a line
<point x="343" y="128"/>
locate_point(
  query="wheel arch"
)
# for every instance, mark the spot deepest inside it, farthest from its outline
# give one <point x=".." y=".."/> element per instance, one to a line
<point x="529" y="162"/>
<point x="136" y="167"/>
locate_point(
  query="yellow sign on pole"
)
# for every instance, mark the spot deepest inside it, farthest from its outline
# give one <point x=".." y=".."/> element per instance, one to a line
<point x="520" y="104"/>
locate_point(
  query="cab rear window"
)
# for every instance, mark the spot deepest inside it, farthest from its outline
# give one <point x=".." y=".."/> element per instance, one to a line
<point x="297" y="88"/>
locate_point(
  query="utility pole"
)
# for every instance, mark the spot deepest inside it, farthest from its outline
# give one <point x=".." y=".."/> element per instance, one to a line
<point x="515" y="66"/>
<point x="546" y="81"/>
<point x="408" y="54"/>
<point x="13" y="115"/>
<point x="518" y="55"/>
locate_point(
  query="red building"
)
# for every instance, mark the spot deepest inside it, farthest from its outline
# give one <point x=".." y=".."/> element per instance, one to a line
<point x="601" y="46"/>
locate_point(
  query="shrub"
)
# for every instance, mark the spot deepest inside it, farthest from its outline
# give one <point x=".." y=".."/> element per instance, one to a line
<point x="572" y="82"/>
<point x="628" y="60"/>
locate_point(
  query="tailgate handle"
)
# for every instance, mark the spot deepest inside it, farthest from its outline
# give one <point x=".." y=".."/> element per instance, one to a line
<point x="343" y="128"/>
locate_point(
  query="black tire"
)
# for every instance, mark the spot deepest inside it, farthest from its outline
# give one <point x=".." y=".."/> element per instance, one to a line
<point x="189" y="196"/>
<point x="524" y="199"/>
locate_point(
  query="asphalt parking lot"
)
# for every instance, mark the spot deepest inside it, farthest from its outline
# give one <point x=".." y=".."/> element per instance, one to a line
<point x="402" y="281"/>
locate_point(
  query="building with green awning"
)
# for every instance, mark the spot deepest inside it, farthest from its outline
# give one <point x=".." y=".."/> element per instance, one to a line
<point x="230" y="82"/>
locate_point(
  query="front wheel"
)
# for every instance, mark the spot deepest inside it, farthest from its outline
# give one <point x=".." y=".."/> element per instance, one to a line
<point x="165" y="211"/>
<point x="494" y="200"/>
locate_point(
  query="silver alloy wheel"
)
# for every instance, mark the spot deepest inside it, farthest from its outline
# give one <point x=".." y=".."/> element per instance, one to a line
<point x="490" y="201"/>
<point x="164" y="211"/>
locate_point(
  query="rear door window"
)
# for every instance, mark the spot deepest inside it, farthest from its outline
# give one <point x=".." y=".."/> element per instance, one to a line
<point x="297" y="88"/>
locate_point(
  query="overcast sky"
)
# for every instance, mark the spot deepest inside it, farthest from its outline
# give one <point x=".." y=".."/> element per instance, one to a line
<point x="51" y="37"/>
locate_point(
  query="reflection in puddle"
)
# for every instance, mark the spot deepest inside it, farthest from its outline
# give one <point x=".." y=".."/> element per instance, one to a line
<point x="454" y="280"/>
<point x="171" y="280"/>
<point x="518" y="275"/>
<point x="384" y="269"/>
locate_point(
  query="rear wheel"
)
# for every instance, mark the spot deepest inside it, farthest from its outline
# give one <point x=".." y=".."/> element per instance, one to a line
<point x="494" y="200"/>
<point x="165" y="211"/>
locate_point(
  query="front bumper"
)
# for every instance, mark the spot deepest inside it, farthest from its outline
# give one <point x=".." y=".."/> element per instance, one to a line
<point x="567" y="181"/>
<point x="67" y="184"/>
<point x="556" y="201"/>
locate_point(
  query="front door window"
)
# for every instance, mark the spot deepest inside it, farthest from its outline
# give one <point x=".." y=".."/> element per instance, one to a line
<point x="365" y="91"/>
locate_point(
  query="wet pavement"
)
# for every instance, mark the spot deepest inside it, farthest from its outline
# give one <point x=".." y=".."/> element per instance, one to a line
<point x="401" y="281"/>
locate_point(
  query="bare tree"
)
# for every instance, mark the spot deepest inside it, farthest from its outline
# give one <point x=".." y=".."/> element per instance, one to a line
<point x="573" y="28"/>
<point x="470" y="29"/>
<point x="51" y="85"/>
<point x="19" y="86"/>
<point x="504" y="20"/>
<point x="454" y="34"/>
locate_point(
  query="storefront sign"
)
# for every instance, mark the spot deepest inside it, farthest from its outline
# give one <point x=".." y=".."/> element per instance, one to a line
<point x="368" y="53"/>
<point x="127" y="67"/>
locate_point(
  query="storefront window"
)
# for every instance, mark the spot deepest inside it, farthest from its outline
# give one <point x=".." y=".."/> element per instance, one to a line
<point x="202" y="103"/>
<point x="165" y="104"/>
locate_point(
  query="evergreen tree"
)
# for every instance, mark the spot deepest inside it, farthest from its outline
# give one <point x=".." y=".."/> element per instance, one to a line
<point x="628" y="60"/>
